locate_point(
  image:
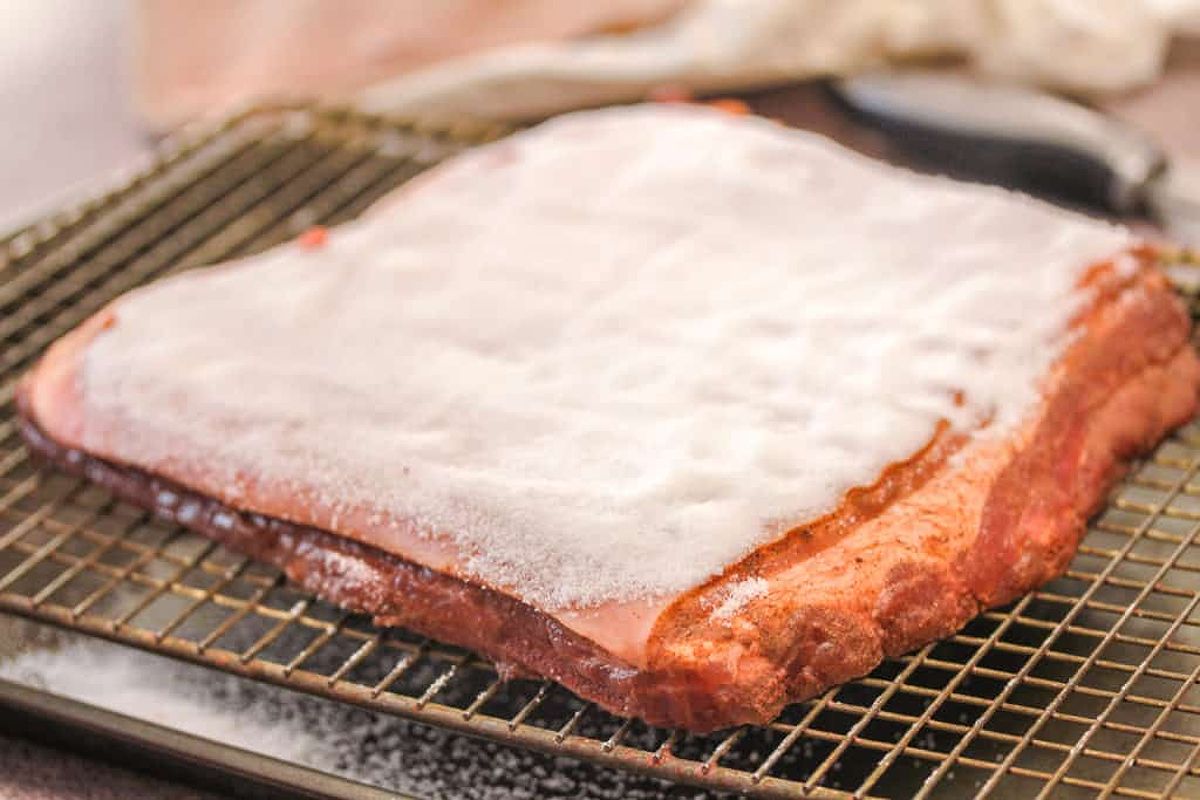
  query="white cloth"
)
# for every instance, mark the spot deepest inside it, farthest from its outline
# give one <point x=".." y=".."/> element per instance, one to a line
<point x="1083" y="46"/>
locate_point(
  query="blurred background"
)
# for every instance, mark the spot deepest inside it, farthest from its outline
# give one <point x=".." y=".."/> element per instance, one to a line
<point x="86" y="84"/>
<point x="67" y="111"/>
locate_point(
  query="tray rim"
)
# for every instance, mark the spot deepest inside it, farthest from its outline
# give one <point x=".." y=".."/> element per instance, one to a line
<point x="161" y="750"/>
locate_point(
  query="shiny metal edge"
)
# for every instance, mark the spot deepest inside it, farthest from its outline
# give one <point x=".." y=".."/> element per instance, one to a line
<point x="148" y="747"/>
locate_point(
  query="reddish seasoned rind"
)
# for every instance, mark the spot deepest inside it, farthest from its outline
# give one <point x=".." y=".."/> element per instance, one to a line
<point x="988" y="525"/>
<point x="959" y="527"/>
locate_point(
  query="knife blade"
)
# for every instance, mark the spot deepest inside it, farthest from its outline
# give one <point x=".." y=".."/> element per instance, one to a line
<point x="1029" y="140"/>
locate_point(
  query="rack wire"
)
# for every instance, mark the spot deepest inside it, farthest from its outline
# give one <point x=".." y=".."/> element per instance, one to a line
<point x="1086" y="688"/>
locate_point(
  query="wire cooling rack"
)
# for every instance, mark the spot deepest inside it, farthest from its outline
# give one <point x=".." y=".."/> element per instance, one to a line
<point x="1086" y="688"/>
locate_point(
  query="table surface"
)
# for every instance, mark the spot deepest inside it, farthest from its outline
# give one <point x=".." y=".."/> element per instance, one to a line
<point x="67" y="123"/>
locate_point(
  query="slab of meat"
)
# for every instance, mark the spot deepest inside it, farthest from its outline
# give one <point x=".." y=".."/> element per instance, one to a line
<point x="693" y="414"/>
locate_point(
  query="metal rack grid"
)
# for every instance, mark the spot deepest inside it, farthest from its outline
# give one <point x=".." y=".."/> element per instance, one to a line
<point x="1086" y="688"/>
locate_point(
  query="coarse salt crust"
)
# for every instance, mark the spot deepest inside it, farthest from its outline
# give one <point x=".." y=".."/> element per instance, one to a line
<point x="605" y="358"/>
<point x="737" y="595"/>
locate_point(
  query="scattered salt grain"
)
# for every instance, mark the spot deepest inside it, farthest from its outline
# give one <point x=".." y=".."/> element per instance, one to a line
<point x="354" y="743"/>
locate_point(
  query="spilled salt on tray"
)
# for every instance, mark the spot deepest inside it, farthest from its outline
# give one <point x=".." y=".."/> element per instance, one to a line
<point x="374" y="748"/>
<point x="583" y="350"/>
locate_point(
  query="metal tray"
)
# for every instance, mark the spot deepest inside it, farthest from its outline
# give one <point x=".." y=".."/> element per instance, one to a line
<point x="1084" y="688"/>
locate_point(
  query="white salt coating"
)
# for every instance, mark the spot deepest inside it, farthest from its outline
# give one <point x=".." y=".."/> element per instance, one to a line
<point x="612" y="355"/>
<point x="737" y="595"/>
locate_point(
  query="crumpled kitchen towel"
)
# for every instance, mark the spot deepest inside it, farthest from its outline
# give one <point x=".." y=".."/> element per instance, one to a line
<point x="1084" y="46"/>
<point x="529" y="58"/>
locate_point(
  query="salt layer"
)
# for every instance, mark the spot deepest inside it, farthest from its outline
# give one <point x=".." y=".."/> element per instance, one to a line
<point x="604" y="358"/>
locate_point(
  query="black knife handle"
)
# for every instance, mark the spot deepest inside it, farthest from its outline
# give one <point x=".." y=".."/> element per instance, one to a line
<point x="1009" y="135"/>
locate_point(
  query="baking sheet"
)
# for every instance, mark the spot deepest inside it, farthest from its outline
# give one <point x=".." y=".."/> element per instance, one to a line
<point x="330" y="738"/>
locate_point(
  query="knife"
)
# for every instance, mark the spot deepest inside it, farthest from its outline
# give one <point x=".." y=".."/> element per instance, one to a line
<point x="1029" y="140"/>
